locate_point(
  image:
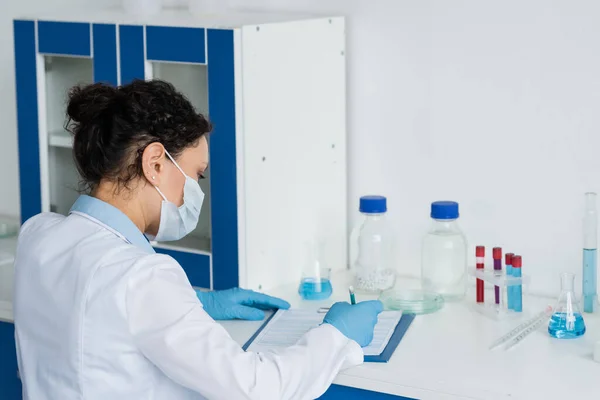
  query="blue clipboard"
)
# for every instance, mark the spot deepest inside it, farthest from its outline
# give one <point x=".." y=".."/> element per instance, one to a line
<point x="249" y="342"/>
<point x="397" y="336"/>
<point x="403" y="325"/>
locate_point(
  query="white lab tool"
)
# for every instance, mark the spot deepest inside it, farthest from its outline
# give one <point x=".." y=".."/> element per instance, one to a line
<point x="521" y="331"/>
<point x="99" y="315"/>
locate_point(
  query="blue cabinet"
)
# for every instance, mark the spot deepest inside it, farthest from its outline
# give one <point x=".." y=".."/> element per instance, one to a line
<point x="336" y="392"/>
<point x="10" y="384"/>
<point x="275" y="94"/>
<point x="53" y="56"/>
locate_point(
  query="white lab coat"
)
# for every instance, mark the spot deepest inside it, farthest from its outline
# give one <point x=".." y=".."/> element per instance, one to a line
<point x="98" y="317"/>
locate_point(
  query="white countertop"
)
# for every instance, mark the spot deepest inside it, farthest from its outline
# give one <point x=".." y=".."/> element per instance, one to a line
<point x="445" y="355"/>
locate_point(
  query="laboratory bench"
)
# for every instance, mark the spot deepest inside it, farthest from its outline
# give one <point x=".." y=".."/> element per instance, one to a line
<point x="445" y="355"/>
<point x="442" y="356"/>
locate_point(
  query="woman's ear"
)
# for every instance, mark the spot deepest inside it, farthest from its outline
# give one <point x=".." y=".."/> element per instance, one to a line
<point x="153" y="162"/>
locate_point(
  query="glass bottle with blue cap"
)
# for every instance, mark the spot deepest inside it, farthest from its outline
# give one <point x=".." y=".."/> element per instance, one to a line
<point x="373" y="271"/>
<point x="444" y="253"/>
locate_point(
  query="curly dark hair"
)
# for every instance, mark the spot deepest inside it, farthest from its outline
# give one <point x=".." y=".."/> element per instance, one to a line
<point x="112" y="127"/>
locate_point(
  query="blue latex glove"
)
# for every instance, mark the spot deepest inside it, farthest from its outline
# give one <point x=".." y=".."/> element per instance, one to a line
<point x="239" y="303"/>
<point x="356" y="321"/>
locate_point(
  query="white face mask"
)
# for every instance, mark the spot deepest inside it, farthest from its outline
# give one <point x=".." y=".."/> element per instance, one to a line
<point x="177" y="222"/>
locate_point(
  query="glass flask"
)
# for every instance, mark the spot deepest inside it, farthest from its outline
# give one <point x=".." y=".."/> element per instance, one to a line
<point x="315" y="283"/>
<point x="566" y="321"/>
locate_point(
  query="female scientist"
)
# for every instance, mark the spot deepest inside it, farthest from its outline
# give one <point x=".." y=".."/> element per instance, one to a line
<point x="100" y="315"/>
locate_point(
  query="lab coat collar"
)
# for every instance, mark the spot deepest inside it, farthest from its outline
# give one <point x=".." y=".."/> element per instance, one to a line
<point x="113" y="218"/>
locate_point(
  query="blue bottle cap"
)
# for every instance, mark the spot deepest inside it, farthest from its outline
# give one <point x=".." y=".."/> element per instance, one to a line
<point x="444" y="210"/>
<point x="373" y="204"/>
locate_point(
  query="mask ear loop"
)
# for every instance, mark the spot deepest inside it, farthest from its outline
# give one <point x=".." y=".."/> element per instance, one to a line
<point x="161" y="193"/>
<point x="178" y="167"/>
<point x="175" y="162"/>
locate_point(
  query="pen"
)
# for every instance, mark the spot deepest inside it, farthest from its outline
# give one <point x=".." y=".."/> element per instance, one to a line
<point x="352" y="301"/>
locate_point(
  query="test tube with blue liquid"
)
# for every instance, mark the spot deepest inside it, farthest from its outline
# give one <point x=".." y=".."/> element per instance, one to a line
<point x="516" y="291"/>
<point x="510" y="290"/>
<point x="590" y="252"/>
<point x="315" y="283"/>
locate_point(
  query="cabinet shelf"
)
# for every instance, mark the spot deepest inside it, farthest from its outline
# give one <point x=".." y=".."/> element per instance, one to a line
<point x="60" y="138"/>
<point x="190" y="243"/>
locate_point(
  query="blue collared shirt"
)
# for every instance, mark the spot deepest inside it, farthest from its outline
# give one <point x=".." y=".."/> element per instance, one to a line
<point x="113" y="218"/>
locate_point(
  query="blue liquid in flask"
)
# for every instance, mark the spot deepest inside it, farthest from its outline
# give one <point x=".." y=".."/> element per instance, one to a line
<point x="315" y="289"/>
<point x="567" y="321"/>
<point x="566" y="325"/>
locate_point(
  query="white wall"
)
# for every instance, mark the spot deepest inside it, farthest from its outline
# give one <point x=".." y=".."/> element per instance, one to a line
<point x="492" y="104"/>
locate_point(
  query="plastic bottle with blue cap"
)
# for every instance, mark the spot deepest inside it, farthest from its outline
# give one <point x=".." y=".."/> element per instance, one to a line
<point x="444" y="253"/>
<point x="373" y="270"/>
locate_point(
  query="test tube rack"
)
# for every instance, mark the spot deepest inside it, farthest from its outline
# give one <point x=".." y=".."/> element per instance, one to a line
<point x="497" y="278"/>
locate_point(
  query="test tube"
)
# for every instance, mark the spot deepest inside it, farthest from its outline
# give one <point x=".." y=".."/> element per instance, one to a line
<point x="480" y="260"/>
<point x="590" y="245"/>
<point x="518" y="289"/>
<point x="510" y="290"/>
<point x="497" y="254"/>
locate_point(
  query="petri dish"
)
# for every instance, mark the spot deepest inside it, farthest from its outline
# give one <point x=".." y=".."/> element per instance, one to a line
<point x="411" y="301"/>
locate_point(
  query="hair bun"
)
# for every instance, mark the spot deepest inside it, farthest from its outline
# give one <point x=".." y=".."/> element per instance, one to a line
<point x="88" y="103"/>
<point x="111" y="127"/>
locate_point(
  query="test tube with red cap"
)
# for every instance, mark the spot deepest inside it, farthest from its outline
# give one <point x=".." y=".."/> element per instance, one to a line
<point x="517" y="302"/>
<point x="480" y="263"/>
<point x="510" y="290"/>
<point x="497" y="254"/>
